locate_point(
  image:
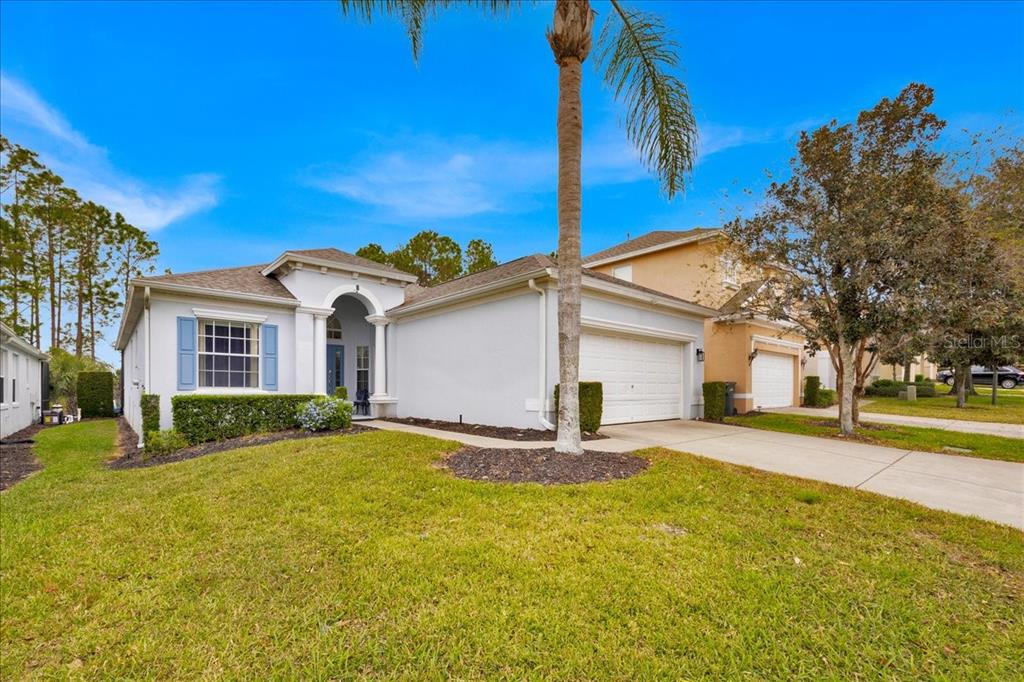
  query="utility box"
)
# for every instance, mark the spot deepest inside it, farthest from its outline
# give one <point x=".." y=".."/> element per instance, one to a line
<point x="730" y="399"/>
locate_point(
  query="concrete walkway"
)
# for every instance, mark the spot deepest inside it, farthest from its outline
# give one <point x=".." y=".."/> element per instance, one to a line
<point x="963" y="426"/>
<point x="987" y="489"/>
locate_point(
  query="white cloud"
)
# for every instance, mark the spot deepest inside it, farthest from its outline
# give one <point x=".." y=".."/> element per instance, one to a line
<point x="87" y="168"/>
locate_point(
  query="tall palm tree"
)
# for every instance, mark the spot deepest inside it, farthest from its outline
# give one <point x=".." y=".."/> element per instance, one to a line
<point x="636" y="57"/>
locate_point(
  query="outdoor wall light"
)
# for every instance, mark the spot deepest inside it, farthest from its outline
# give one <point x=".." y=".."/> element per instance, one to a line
<point x="700" y="355"/>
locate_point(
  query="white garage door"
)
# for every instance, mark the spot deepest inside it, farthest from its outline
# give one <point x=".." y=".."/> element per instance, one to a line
<point x="642" y="379"/>
<point x="773" y="380"/>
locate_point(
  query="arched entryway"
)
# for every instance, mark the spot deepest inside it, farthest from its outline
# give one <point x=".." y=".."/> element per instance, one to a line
<point x="354" y="349"/>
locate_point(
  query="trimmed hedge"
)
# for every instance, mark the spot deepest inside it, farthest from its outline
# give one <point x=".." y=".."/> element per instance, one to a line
<point x="95" y="394"/>
<point x="203" y="418"/>
<point x="714" y="401"/>
<point x="149" y="405"/>
<point x="591" y="405"/>
<point x="812" y="385"/>
<point x="341" y="392"/>
<point x="826" y="398"/>
<point x="887" y="388"/>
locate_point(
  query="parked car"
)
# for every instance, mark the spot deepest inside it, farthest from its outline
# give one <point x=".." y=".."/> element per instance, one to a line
<point x="1009" y="377"/>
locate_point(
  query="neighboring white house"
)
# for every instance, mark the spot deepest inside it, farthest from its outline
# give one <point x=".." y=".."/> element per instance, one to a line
<point x="21" y="382"/>
<point x="482" y="348"/>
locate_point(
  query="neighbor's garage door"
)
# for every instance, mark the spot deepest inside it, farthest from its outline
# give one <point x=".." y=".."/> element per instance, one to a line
<point x="773" y="380"/>
<point x="642" y="379"/>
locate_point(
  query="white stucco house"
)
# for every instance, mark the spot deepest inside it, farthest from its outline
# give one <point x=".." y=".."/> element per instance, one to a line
<point x="22" y="389"/>
<point x="482" y="348"/>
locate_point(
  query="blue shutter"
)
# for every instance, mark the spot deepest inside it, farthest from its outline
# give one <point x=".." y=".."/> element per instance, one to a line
<point x="186" y="354"/>
<point x="269" y="357"/>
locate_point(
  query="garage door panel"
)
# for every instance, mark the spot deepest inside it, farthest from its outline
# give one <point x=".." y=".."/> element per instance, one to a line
<point x="772" y="379"/>
<point x="641" y="378"/>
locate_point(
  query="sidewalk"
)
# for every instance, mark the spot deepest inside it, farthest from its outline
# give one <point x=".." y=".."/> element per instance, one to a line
<point x="964" y="485"/>
<point x="963" y="426"/>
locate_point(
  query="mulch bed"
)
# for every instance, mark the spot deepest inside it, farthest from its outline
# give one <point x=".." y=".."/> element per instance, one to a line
<point x="17" y="460"/>
<point x="505" y="432"/>
<point x="500" y="465"/>
<point x="132" y="458"/>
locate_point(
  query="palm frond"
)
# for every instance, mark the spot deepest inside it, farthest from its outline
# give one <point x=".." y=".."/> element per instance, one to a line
<point x="638" y="57"/>
<point x="414" y="13"/>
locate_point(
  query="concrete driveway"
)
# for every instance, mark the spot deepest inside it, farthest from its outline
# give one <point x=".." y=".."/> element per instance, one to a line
<point x="987" y="489"/>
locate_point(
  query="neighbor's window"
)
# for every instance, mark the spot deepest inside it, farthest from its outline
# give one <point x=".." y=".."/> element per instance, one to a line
<point x="624" y="272"/>
<point x="15" y="371"/>
<point x="3" y="377"/>
<point x="730" y="272"/>
<point x="333" y="329"/>
<point x="229" y="354"/>
<point x="362" y="368"/>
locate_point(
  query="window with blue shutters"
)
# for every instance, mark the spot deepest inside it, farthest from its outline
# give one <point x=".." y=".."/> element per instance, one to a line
<point x="270" y="357"/>
<point x="186" y="353"/>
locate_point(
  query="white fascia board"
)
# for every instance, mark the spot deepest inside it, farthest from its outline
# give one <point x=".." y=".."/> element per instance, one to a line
<point x="335" y="265"/>
<point x="475" y="292"/>
<point x="13" y="340"/>
<point x="652" y="249"/>
<point x="124" y="331"/>
<point x="772" y="341"/>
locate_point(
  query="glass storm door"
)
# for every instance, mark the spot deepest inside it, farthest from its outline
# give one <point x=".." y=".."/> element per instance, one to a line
<point x="335" y="367"/>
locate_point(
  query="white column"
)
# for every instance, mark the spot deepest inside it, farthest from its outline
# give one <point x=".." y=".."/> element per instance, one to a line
<point x="320" y="353"/>
<point x="380" y="385"/>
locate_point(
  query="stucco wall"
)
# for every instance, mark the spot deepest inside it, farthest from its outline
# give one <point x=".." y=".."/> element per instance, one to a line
<point x="477" y="362"/>
<point x="727" y="356"/>
<point x="164" y="312"/>
<point x="20" y="409"/>
<point x="318" y="289"/>
<point x="691" y="271"/>
<point x="134" y="361"/>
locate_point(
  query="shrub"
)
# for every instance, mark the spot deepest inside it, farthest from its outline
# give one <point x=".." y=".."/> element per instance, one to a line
<point x="920" y="379"/>
<point x="591" y="405"/>
<point x="203" y="418"/>
<point x="149" y="405"/>
<point x="341" y="392"/>
<point x="714" y="400"/>
<point x="811" y="386"/>
<point x="95" y="394"/>
<point x="826" y="398"/>
<point x="887" y="388"/>
<point x="163" y="443"/>
<point x="324" y="414"/>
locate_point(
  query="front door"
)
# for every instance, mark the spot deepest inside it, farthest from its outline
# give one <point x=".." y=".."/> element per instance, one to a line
<point x="335" y="367"/>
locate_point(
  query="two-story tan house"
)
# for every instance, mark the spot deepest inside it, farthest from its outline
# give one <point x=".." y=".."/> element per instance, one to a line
<point x="765" y="358"/>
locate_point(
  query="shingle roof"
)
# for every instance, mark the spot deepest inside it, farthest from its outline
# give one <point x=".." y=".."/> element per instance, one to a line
<point x="519" y="266"/>
<point x="344" y="258"/>
<point x="511" y="270"/>
<point x="646" y="241"/>
<point x="244" y="280"/>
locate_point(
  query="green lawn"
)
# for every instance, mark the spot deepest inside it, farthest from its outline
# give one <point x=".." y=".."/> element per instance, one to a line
<point x="357" y="557"/>
<point x="1008" y="409"/>
<point x="893" y="435"/>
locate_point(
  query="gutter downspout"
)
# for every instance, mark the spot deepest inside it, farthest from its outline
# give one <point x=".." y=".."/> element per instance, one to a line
<point x="542" y="335"/>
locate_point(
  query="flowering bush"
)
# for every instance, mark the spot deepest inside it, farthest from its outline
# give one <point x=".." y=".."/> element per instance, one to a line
<point x="324" y="414"/>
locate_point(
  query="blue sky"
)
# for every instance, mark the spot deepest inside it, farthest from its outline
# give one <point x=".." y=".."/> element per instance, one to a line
<point x="233" y="131"/>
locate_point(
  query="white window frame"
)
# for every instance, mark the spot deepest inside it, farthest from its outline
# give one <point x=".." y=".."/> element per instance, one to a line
<point x="730" y="272"/>
<point x="255" y="340"/>
<point x="363" y="369"/>
<point x="623" y="272"/>
<point x="3" y="378"/>
<point x="341" y="332"/>
<point x="15" y="371"/>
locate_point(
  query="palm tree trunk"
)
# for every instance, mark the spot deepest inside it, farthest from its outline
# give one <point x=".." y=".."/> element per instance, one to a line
<point x="570" y="39"/>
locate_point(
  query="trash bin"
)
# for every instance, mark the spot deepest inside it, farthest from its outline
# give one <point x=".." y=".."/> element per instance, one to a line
<point x="730" y="398"/>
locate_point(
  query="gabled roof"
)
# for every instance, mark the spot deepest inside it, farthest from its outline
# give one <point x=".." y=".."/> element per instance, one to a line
<point x="331" y="257"/>
<point x="534" y="266"/>
<point x="247" y="279"/>
<point x="647" y="243"/>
